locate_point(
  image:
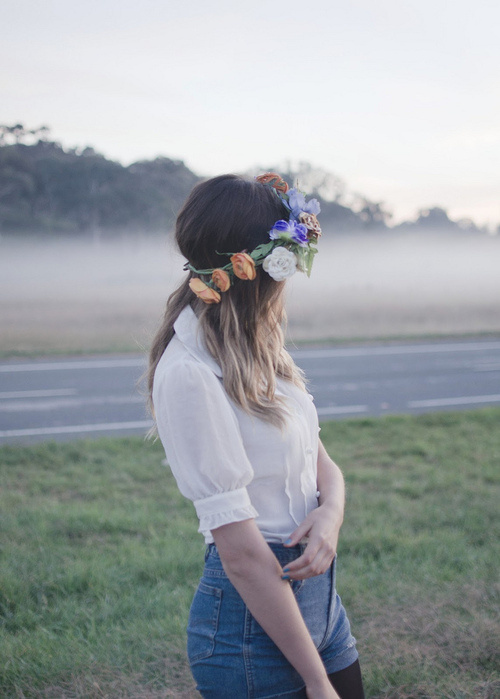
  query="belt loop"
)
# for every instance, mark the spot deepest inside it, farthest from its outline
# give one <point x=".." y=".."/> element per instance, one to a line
<point x="210" y="549"/>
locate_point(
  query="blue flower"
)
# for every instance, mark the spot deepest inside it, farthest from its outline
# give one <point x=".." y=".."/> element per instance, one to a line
<point x="289" y="230"/>
<point x="299" y="235"/>
<point x="297" y="203"/>
<point x="281" y="229"/>
<point x="312" y="207"/>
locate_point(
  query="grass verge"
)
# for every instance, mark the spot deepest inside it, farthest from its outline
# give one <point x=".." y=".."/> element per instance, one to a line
<point x="100" y="556"/>
<point x="36" y="350"/>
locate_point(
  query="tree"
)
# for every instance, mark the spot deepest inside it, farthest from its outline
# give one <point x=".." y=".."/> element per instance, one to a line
<point x="19" y="134"/>
<point x="13" y="133"/>
<point x="372" y="213"/>
<point x="316" y="181"/>
<point x="434" y="218"/>
<point x="340" y="209"/>
<point x="45" y="188"/>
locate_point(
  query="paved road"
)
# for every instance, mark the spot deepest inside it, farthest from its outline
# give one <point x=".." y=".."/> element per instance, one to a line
<point x="68" y="398"/>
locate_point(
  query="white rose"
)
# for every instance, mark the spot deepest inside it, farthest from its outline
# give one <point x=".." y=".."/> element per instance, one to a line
<point x="280" y="264"/>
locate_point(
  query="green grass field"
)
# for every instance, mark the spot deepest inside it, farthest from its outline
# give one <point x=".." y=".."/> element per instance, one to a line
<point x="100" y="556"/>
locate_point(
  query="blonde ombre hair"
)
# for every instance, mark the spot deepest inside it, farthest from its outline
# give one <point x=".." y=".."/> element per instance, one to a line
<point x="244" y="331"/>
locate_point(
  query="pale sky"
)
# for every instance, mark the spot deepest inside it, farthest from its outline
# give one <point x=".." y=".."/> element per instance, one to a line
<point x="401" y="99"/>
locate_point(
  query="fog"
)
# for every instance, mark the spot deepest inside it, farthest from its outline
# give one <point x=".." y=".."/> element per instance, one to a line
<point x="61" y="295"/>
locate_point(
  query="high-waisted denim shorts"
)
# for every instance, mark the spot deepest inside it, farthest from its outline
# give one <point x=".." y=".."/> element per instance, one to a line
<point x="232" y="657"/>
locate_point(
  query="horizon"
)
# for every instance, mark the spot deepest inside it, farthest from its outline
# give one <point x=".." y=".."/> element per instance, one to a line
<point x="347" y="198"/>
<point x="399" y="101"/>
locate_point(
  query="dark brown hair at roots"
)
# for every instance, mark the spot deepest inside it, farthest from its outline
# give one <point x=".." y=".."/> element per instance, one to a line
<point x="228" y="214"/>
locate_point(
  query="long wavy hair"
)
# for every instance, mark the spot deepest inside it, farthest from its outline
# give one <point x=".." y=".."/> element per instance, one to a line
<point x="244" y="331"/>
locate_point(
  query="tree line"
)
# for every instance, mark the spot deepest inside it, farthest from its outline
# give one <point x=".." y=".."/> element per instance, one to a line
<point x="47" y="189"/>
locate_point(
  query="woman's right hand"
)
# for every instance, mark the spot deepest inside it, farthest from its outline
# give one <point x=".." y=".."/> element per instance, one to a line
<point x="322" y="691"/>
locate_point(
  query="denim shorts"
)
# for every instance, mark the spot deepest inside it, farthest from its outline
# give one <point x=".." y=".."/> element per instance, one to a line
<point x="232" y="657"/>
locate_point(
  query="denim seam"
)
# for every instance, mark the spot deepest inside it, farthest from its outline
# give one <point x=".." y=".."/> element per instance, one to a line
<point x="217" y="593"/>
<point x="331" y="620"/>
<point x="211" y="573"/>
<point x="291" y="694"/>
<point x="247" y="654"/>
<point x="350" y="653"/>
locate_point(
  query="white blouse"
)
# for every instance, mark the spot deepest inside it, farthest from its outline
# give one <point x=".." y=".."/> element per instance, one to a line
<point x="232" y="465"/>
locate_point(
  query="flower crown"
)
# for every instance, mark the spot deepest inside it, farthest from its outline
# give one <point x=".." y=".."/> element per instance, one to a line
<point x="291" y="246"/>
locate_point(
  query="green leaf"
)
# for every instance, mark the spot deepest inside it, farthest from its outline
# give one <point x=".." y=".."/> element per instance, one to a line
<point x="309" y="257"/>
<point x="262" y="250"/>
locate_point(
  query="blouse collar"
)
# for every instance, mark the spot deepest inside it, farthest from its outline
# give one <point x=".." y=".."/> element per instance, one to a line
<point x="187" y="328"/>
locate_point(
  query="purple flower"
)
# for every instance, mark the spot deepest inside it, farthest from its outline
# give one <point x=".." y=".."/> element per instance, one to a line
<point x="289" y="230"/>
<point x="312" y="207"/>
<point x="299" y="235"/>
<point x="279" y="228"/>
<point x="297" y="203"/>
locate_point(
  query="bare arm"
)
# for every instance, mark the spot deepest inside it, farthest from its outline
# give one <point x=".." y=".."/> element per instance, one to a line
<point x="256" y="574"/>
<point x="322" y="525"/>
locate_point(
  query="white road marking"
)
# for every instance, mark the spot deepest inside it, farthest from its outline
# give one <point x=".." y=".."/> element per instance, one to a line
<point x="71" y="365"/>
<point x="77" y="429"/>
<point x="49" y="393"/>
<point x="58" y="403"/>
<point x="296" y="353"/>
<point x="342" y="410"/>
<point x="460" y="400"/>
<point x="393" y="349"/>
<point x="47" y="399"/>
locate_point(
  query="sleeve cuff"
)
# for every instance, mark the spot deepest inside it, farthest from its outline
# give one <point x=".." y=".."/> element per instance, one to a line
<point x="224" y="508"/>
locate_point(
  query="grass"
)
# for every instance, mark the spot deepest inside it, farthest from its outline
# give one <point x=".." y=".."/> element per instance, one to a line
<point x="36" y="349"/>
<point x="100" y="555"/>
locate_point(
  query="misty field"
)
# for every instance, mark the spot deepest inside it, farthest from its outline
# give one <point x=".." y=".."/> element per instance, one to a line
<point x="62" y="295"/>
<point x="100" y="557"/>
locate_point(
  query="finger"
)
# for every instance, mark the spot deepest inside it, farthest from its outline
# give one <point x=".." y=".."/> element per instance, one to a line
<point x="316" y="558"/>
<point x="303" y="561"/>
<point x="304" y="566"/>
<point x="297" y="535"/>
<point x="317" y="567"/>
<point x="302" y="574"/>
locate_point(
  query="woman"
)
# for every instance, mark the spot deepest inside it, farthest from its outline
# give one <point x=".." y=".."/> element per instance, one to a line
<point x="241" y="436"/>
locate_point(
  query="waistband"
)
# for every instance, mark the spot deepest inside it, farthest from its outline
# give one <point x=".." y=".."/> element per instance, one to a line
<point x="284" y="554"/>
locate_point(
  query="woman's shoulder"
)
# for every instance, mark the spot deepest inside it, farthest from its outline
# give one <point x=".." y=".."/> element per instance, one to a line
<point x="178" y="368"/>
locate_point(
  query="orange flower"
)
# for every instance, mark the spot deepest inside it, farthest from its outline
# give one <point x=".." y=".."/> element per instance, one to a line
<point x="221" y="279"/>
<point x="204" y="292"/>
<point x="311" y="223"/>
<point x="243" y="266"/>
<point x="275" y="180"/>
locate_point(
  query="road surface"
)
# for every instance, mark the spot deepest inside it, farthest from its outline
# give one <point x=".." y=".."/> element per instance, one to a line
<point x="65" y="399"/>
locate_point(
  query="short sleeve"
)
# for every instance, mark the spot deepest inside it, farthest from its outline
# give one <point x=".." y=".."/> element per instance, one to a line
<point x="202" y="441"/>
